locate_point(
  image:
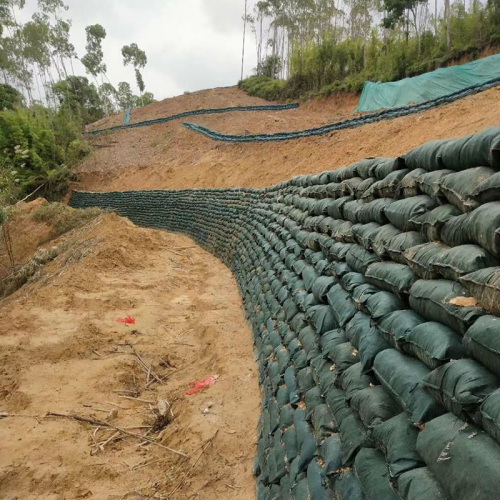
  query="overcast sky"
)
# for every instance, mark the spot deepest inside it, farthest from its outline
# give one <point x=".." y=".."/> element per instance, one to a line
<point x="190" y="44"/>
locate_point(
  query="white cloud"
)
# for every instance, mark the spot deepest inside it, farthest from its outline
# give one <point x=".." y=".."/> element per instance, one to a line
<point x="190" y="44"/>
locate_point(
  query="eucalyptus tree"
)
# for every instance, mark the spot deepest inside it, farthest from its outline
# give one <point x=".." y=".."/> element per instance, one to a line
<point x="133" y="55"/>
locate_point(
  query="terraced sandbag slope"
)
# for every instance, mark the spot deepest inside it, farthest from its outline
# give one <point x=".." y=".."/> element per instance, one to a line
<point x="372" y="368"/>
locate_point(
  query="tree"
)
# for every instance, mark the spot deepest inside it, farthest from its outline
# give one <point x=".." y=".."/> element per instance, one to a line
<point x="133" y="55"/>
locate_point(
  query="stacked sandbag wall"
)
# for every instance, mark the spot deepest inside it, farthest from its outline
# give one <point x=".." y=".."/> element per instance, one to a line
<point x="372" y="292"/>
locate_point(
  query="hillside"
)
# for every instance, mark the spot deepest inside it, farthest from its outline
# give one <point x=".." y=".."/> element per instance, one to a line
<point x="169" y="156"/>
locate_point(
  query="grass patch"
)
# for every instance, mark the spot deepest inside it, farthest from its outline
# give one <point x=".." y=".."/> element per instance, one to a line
<point x="64" y="219"/>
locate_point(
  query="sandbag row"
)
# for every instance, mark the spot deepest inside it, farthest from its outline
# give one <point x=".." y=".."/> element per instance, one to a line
<point x="371" y="291"/>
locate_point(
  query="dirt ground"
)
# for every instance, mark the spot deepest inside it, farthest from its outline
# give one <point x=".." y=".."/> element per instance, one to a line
<point x="170" y="156"/>
<point x="63" y="351"/>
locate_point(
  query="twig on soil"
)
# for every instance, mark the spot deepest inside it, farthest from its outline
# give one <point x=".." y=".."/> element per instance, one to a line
<point x="145" y="366"/>
<point x="102" y="423"/>
<point x="16" y="415"/>
<point x="138" y="399"/>
<point x="190" y="470"/>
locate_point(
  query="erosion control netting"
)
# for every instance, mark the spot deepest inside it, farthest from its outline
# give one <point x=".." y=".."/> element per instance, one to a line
<point x="387" y="114"/>
<point x="376" y="337"/>
<point x="267" y="107"/>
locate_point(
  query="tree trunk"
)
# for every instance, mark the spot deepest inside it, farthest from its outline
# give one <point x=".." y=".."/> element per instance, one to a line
<point x="447" y="15"/>
<point x="244" y="35"/>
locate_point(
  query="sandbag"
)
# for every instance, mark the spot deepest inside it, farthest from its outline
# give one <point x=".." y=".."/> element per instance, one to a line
<point x="397" y="245"/>
<point x="374" y="406"/>
<point x="365" y="233"/>
<point x="339" y="250"/>
<point x="321" y="287"/>
<point x="354" y="380"/>
<point x="321" y="317"/>
<point x="391" y="277"/>
<point x="464" y="459"/>
<point x="421" y="259"/>
<point x="352" y="209"/>
<point x="481" y="149"/>
<point x="330" y="452"/>
<point x="336" y="208"/>
<point x="488" y="190"/>
<point x="420" y="484"/>
<point x="387" y="188"/>
<point x="482" y="227"/>
<point x="358" y="259"/>
<point x="352" y="280"/>
<point x="323" y="422"/>
<point x="380" y="304"/>
<point x="342" y="305"/>
<point x="484" y="285"/>
<point x="436" y="300"/>
<point x="433" y="343"/>
<point x="426" y="156"/>
<point x="396" y="326"/>
<point x="374" y="211"/>
<point x="490" y="415"/>
<point x="408" y="185"/>
<point x="458" y="187"/>
<point x="461" y="386"/>
<point x="401" y="212"/>
<point x="373" y="475"/>
<point x="353" y="435"/>
<point x="359" y="324"/>
<point x="347" y="486"/>
<point x="343" y="356"/>
<point x="317" y="482"/>
<point x="430" y="184"/>
<point x="456" y="262"/>
<point x="431" y="223"/>
<point x="382" y="238"/>
<point x="482" y="342"/>
<point x="401" y="375"/>
<point x="330" y="340"/>
<point x="397" y="438"/>
<point x="364" y="187"/>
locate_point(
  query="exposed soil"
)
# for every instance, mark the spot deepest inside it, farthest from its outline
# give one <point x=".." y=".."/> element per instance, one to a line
<point x="169" y="156"/>
<point x="62" y="350"/>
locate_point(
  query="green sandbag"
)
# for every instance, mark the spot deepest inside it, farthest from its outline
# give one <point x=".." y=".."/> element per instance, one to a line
<point x="352" y="209"/>
<point x="361" y="294"/>
<point x="339" y="250"/>
<point x="456" y="262"/>
<point x="482" y="227"/>
<point x="461" y="386"/>
<point x="488" y="190"/>
<point x="458" y="187"/>
<point x="484" y="285"/>
<point x="321" y="318"/>
<point x="349" y="186"/>
<point x="305" y="379"/>
<point x="347" y="486"/>
<point x="354" y="380"/>
<point x="336" y="209"/>
<point x="310" y="341"/>
<point x="397" y="438"/>
<point x="430" y="184"/>
<point x="342" y="304"/>
<point x="313" y="399"/>
<point x="330" y="340"/>
<point x="374" y="406"/>
<point x="385" y="167"/>
<point x="323" y="372"/>
<point x="421" y="259"/>
<point x="397" y="245"/>
<point x="344" y="232"/>
<point x="344" y="356"/>
<point x="364" y="187"/>
<point x="371" y="343"/>
<point x="401" y="212"/>
<point x="395" y="327"/>
<point x="358" y="259"/>
<point x="365" y="233"/>
<point x="401" y="375"/>
<point x="431" y="223"/>
<point x="382" y="239"/>
<point x="481" y="149"/>
<point x="317" y="482"/>
<point x="391" y="277"/>
<point x="352" y="280"/>
<point x="381" y="304"/>
<point x="353" y="436"/>
<point x="464" y="459"/>
<point x="309" y="276"/>
<point x="408" y="185"/>
<point x="300" y="491"/>
<point x="323" y="422"/>
<point x="420" y="484"/>
<point x="455" y="231"/>
<point x="436" y="300"/>
<point x="359" y="324"/>
<point x="490" y="415"/>
<point x="335" y="399"/>
<point x="433" y="343"/>
<point x="286" y="416"/>
<point x="337" y="269"/>
<point x="321" y="287"/>
<point x="373" y="473"/>
<point x="366" y="168"/>
<point x="482" y="342"/>
<point x="374" y="211"/>
<point x="388" y="187"/>
<point x="289" y="440"/>
<point x="427" y="156"/>
<point x="331" y="453"/>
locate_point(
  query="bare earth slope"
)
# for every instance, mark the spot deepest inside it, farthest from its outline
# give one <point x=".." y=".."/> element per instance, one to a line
<point x="168" y="156"/>
<point x="62" y="350"/>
